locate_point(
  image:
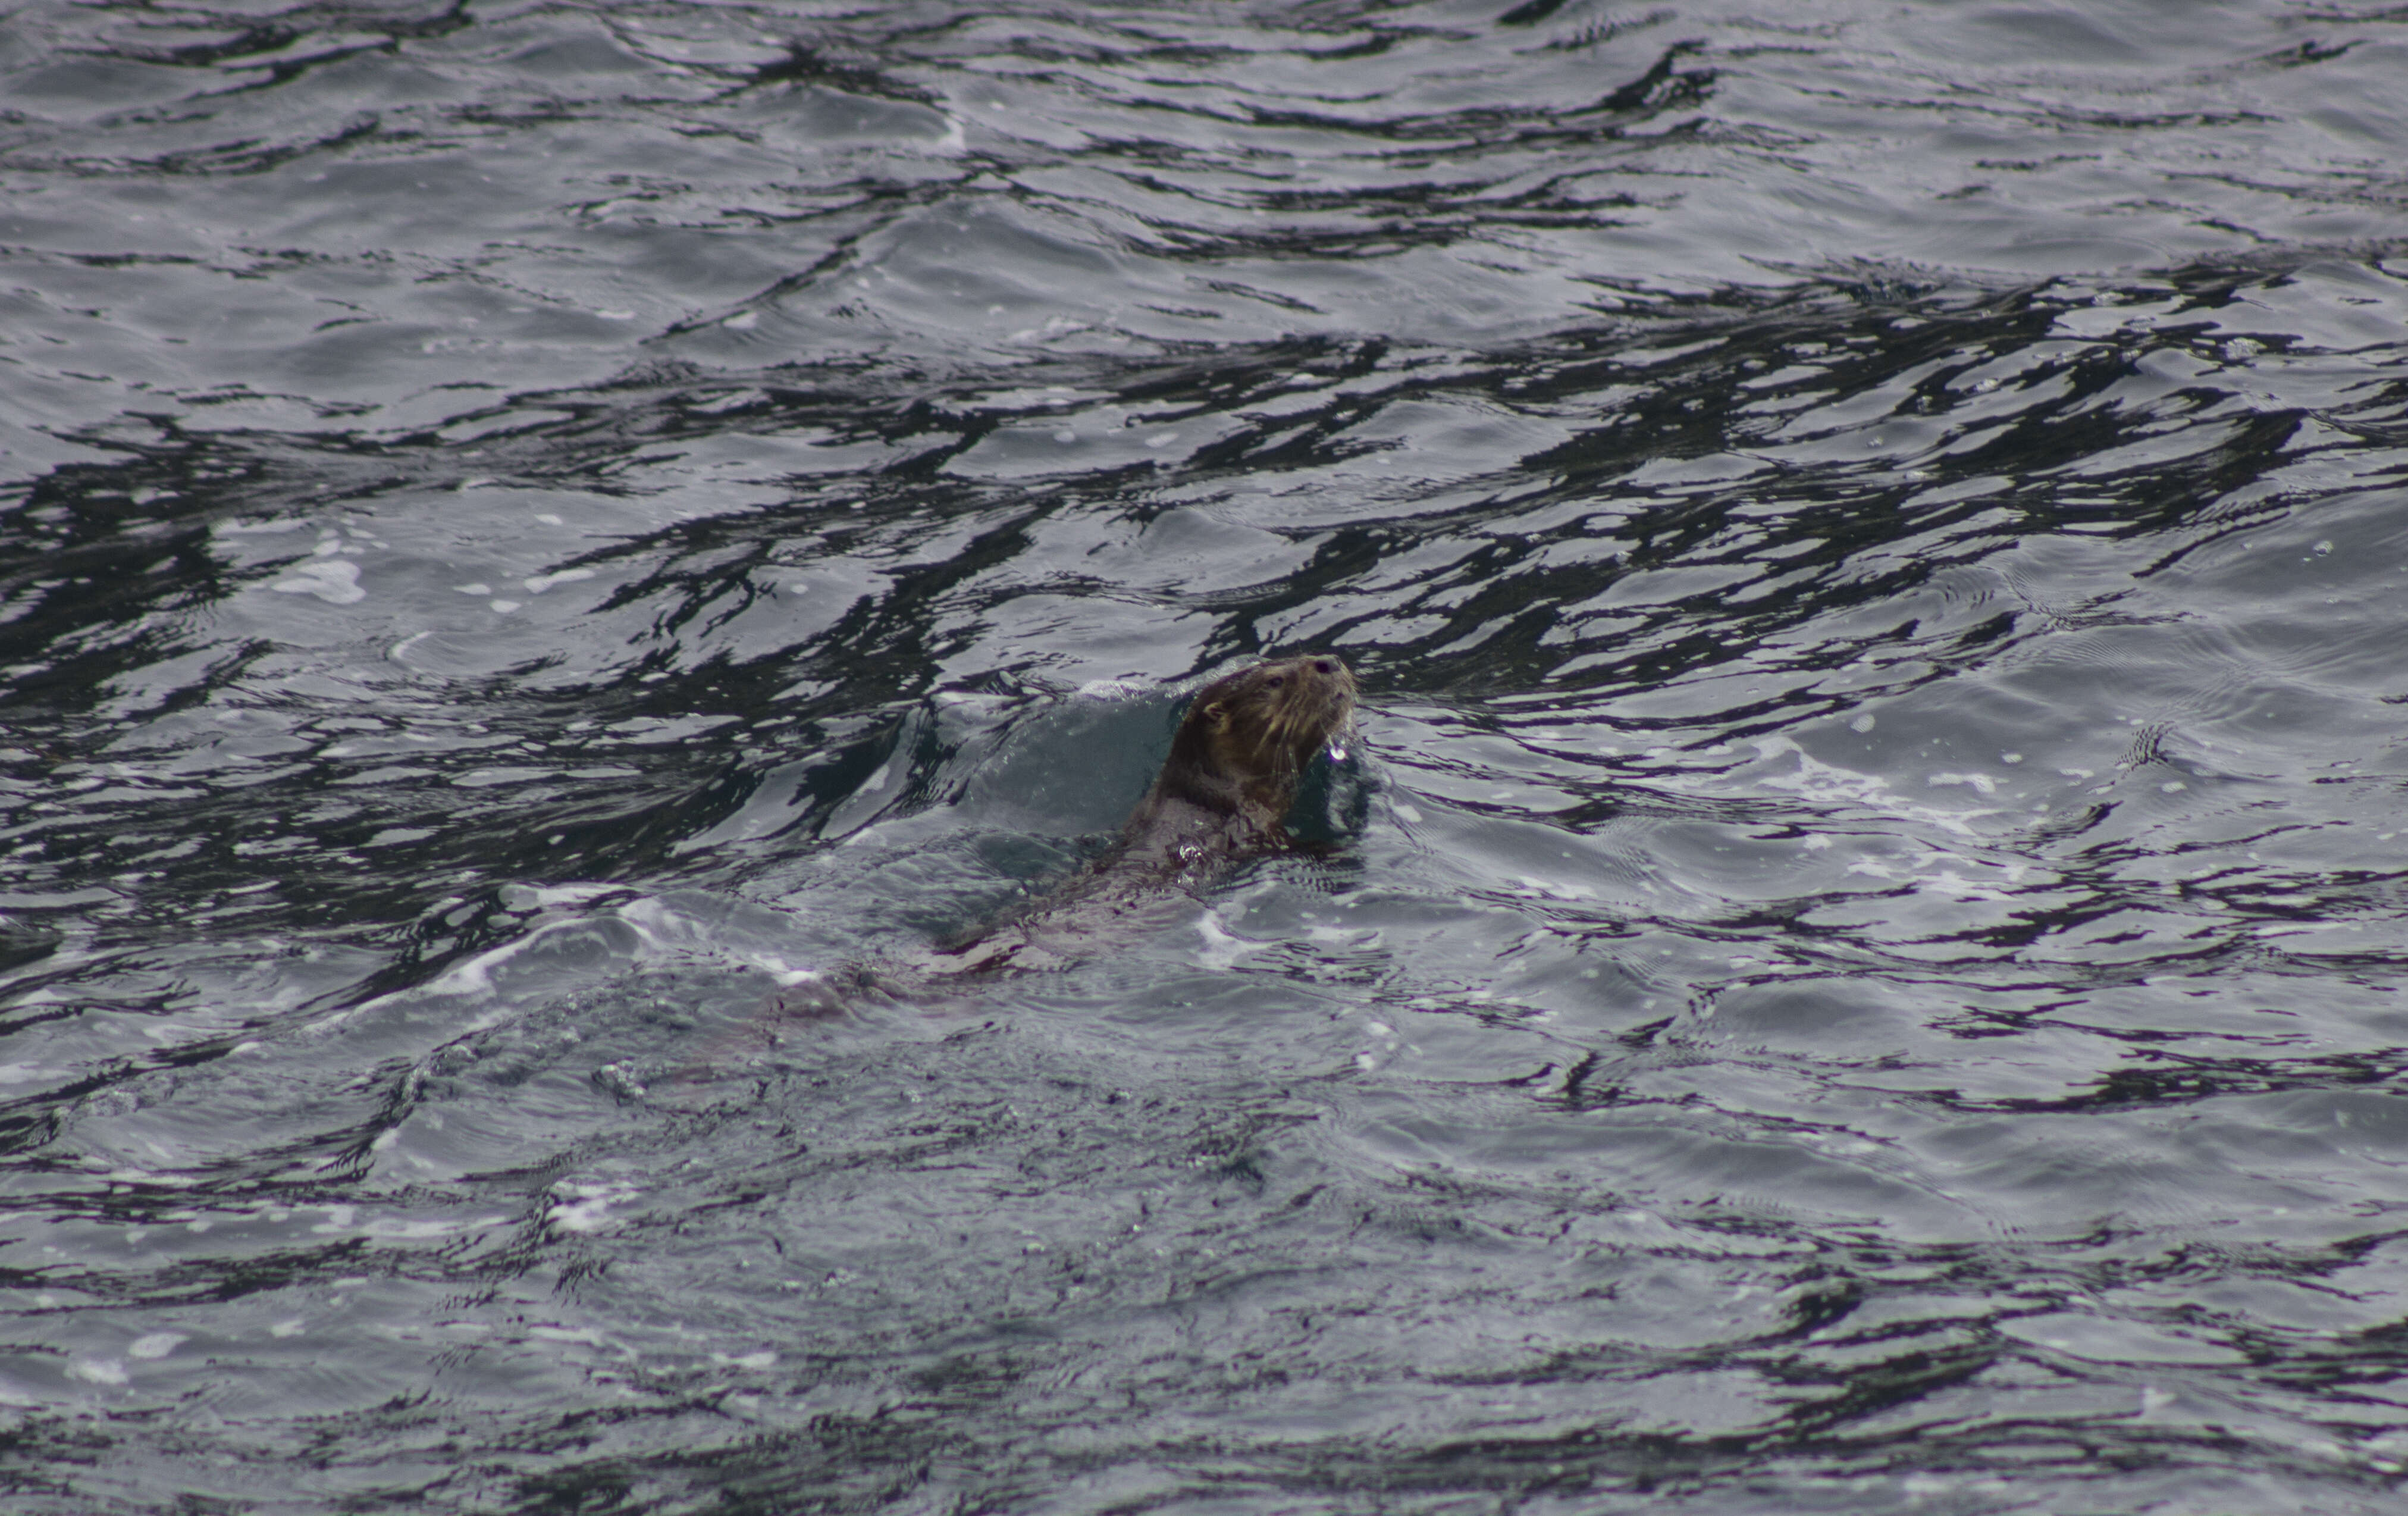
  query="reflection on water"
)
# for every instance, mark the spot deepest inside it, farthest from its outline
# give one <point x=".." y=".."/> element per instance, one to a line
<point x="1858" y="965"/>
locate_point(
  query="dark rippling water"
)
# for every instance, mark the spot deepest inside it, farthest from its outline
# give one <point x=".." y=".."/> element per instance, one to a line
<point x="1860" y="967"/>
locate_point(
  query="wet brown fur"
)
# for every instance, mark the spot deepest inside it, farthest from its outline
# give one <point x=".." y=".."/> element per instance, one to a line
<point x="1231" y="776"/>
<point x="1224" y="792"/>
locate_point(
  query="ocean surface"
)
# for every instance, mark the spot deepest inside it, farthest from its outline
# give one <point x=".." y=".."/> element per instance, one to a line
<point x="1858" y="958"/>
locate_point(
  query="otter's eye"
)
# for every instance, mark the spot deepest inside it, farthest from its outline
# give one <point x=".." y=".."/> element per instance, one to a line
<point x="1325" y="666"/>
<point x="1276" y="680"/>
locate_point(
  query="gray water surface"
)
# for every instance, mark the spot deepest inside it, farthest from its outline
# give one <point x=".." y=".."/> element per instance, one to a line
<point x="1858" y="960"/>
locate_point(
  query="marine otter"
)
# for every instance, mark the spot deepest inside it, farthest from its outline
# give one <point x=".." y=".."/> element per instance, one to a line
<point x="1231" y="776"/>
<point x="1224" y="792"/>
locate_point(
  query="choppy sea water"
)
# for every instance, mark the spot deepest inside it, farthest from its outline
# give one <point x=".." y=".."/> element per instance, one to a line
<point x="1859" y="964"/>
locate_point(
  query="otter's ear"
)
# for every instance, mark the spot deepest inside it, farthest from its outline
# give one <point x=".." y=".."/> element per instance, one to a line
<point x="1218" y="714"/>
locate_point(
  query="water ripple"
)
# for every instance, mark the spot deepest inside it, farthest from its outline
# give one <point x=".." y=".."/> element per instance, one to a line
<point x="1852" y="958"/>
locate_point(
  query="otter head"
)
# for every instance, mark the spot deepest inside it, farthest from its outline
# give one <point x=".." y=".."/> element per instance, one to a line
<point x="1247" y="738"/>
